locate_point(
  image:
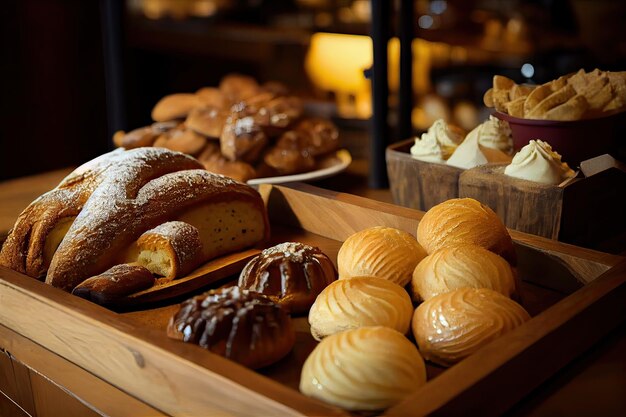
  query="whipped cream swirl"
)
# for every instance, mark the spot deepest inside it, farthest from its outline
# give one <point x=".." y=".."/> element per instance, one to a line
<point x="496" y="134"/>
<point x="438" y="143"/>
<point x="539" y="163"/>
<point x="483" y="145"/>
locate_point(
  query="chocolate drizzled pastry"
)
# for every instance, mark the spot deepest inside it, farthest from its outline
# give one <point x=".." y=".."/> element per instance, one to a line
<point x="292" y="274"/>
<point x="238" y="324"/>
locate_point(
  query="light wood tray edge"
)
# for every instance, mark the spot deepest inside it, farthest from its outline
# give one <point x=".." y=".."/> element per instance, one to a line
<point x="173" y="378"/>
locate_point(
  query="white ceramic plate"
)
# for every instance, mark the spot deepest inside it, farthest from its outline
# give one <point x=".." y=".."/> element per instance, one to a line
<point x="331" y="165"/>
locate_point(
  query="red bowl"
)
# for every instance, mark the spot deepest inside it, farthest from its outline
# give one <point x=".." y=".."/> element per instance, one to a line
<point x="576" y="141"/>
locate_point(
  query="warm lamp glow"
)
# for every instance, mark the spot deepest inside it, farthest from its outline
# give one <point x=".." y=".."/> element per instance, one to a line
<point x="336" y="62"/>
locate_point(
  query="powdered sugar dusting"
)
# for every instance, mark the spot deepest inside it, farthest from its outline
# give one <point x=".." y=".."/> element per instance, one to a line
<point x="183" y="237"/>
<point x="140" y="189"/>
<point x="293" y="251"/>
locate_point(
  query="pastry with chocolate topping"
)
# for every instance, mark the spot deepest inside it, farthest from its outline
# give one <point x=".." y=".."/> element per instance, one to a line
<point x="292" y="274"/>
<point x="241" y="325"/>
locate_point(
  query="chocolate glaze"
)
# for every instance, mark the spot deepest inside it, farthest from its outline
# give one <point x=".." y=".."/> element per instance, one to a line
<point x="292" y="274"/>
<point x="241" y="325"/>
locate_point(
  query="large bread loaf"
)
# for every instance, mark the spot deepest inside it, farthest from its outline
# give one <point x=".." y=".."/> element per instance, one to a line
<point x="98" y="212"/>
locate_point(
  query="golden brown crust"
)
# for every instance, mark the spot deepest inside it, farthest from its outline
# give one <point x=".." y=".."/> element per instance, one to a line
<point x="241" y="325"/>
<point x="23" y="251"/>
<point x="115" y="198"/>
<point x="178" y="242"/>
<point x="144" y="136"/>
<point x="382" y="252"/>
<point x="464" y="221"/>
<point x="214" y="161"/>
<point x="129" y="201"/>
<point x="453" y="325"/>
<point x="174" y="106"/>
<point x="208" y="121"/>
<point x="237" y="87"/>
<point x="460" y="266"/>
<point x="242" y="139"/>
<point x="181" y="139"/>
<point x="290" y="155"/>
<point x="115" y="283"/>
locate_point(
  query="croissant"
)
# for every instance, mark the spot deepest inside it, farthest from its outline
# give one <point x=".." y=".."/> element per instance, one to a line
<point x="116" y="198"/>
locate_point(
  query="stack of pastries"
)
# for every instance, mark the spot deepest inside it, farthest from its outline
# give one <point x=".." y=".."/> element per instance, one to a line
<point x="240" y="129"/>
<point x="459" y="268"/>
<point x="581" y="95"/>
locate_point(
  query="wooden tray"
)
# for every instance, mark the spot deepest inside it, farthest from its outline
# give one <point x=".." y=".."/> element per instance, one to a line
<point x="574" y="295"/>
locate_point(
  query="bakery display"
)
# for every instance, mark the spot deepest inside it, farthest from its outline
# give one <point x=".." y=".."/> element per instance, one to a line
<point x="382" y="252"/>
<point x="292" y="274"/>
<point x="459" y="266"/>
<point x="240" y="129"/>
<point x="370" y="368"/>
<point x="581" y="95"/>
<point x="115" y="283"/>
<point x="170" y="250"/>
<point x="358" y="302"/>
<point x="453" y="325"/>
<point x="241" y="325"/>
<point x="538" y="162"/>
<point x="93" y="218"/>
<point x="464" y="220"/>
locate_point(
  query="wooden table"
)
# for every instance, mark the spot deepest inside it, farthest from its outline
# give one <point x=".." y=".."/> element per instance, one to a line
<point x="594" y="384"/>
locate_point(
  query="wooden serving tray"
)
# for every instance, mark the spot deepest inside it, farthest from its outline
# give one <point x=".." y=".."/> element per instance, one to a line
<point x="574" y="295"/>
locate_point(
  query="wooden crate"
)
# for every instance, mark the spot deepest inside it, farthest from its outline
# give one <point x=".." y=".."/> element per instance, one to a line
<point x="574" y="295"/>
<point x="587" y="211"/>
<point x="417" y="184"/>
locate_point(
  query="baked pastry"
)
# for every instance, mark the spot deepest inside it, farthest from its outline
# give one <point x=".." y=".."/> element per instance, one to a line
<point x="212" y="97"/>
<point x="460" y="266"/>
<point x="453" y="325"/>
<point x="181" y="139"/>
<point x="382" y="252"/>
<point x="570" y="97"/>
<point x="238" y="324"/>
<point x="170" y="250"/>
<point x="283" y="111"/>
<point x="321" y="135"/>
<point x="464" y="220"/>
<point x="98" y="212"/>
<point x="115" y="283"/>
<point x="369" y="368"/>
<point x="174" y="106"/>
<point x="291" y="154"/>
<point x="144" y="136"/>
<point x="291" y="274"/>
<point x="358" y="302"/>
<point x="242" y="139"/>
<point x="213" y="161"/>
<point x="236" y="87"/>
<point x="40" y="228"/>
<point x="208" y="121"/>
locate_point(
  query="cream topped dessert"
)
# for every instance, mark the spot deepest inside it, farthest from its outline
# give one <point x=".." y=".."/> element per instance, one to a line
<point x="496" y="134"/>
<point x="489" y="142"/>
<point x="539" y="163"/>
<point x="438" y="143"/>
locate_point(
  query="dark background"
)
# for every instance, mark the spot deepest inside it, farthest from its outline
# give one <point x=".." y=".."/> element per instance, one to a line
<point x="67" y="84"/>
